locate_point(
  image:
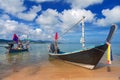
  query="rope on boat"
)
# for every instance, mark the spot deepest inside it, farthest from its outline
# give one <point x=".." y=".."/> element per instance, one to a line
<point x="54" y="47"/>
<point x="73" y="26"/>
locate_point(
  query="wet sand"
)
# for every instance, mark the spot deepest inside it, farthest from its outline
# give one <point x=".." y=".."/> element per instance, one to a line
<point x="60" y="70"/>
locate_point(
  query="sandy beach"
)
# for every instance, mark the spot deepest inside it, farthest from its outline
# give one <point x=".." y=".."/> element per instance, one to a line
<point x="60" y="70"/>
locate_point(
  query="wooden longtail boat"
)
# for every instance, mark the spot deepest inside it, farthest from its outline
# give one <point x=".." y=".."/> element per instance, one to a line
<point x="17" y="50"/>
<point x="13" y="50"/>
<point x="87" y="58"/>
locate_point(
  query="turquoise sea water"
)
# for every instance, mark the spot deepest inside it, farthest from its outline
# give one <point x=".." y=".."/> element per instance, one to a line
<point x="38" y="53"/>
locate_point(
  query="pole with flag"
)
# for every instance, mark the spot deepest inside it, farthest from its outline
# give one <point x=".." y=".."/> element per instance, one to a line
<point x="82" y="40"/>
<point x="56" y="42"/>
<point x="15" y="38"/>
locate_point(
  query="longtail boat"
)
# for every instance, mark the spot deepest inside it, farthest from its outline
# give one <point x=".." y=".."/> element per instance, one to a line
<point x="88" y="57"/>
<point x="17" y="50"/>
<point x="20" y="47"/>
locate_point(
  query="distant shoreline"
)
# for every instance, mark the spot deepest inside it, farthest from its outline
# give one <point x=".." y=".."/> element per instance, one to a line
<point x="3" y="41"/>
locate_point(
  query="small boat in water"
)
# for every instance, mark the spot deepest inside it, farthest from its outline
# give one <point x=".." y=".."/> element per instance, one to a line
<point x="88" y="57"/>
<point x="17" y="50"/>
<point x="19" y="47"/>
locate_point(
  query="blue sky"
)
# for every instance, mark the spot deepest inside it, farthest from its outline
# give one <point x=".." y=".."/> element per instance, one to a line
<point x="40" y="19"/>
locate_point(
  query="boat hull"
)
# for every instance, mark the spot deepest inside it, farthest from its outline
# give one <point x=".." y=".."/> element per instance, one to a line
<point x="17" y="50"/>
<point x="88" y="58"/>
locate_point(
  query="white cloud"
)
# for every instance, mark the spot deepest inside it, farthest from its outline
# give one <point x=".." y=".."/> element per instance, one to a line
<point x="30" y="15"/>
<point x="72" y="16"/>
<point x="27" y="16"/>
<point x="35" y="8"/>
<point x="5" y="17"/>
<point x="12" y="6"/>
<point x="51" y="21"/>
<point x="39" y="1"/>
<point x="83" y="3"/>
<point x="38" y="34"/>
<point x="48" y="17"/>
<point x="9" y="27"/>
<point x="16" y="8"/>
<point x="68" y="17"/>
<point x="111" y="16"/>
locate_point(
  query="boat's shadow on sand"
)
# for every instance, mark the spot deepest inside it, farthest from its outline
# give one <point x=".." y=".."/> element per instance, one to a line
<point x="53" y="60"/>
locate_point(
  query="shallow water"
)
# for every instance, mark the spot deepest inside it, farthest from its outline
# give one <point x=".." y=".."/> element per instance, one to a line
<point x="38" y="54"/>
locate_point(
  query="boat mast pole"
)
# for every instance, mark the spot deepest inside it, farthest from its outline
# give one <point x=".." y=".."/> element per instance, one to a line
<point x="83" y="33"/>
<point x="56" y="42"/>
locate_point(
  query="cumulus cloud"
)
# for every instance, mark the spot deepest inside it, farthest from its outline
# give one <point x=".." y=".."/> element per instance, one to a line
<point x="51" y="20"/>
<point x="5" y="17"/>
<point x="83" y="3"/>
<point x="73" y="15"/>
<point x="48" y="21"/>
<point x="111" y="16"/>
<point x="9" y="27"/>
<point x="12" y="6"/>
<point x="39" y="1"/>
<point x="17" y="9"/>
<point x="48" y="17"/>
<point x="30" y="15"/>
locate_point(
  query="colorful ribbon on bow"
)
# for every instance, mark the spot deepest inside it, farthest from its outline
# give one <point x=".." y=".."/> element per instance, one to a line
<point x="109" y="54"/>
